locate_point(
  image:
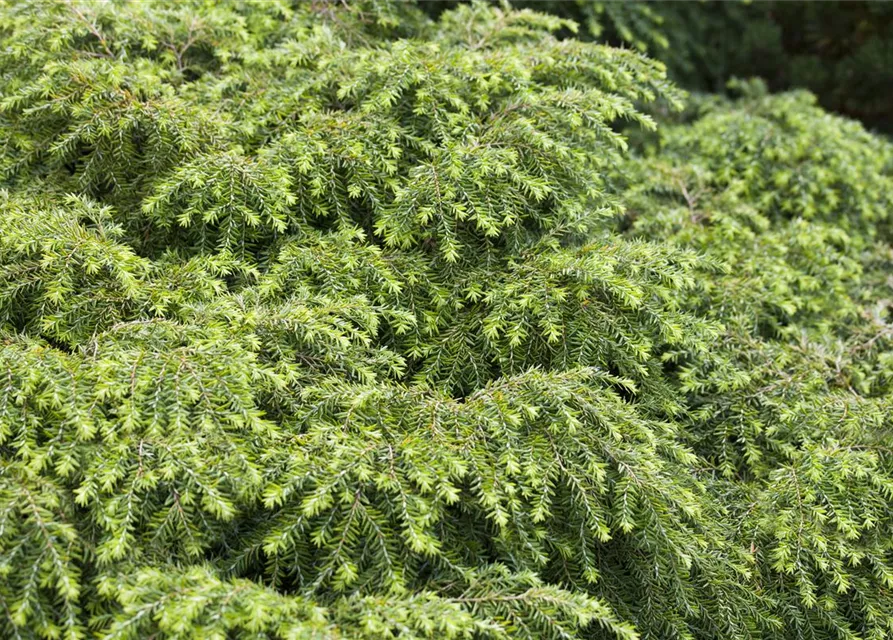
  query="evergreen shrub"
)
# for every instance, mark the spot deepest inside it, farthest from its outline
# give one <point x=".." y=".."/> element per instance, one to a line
<point x="333" y="320"/>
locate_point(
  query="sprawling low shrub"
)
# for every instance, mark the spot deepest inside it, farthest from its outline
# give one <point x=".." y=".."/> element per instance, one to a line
<point x="330" y="320"/>
<point x="790" y="411"/>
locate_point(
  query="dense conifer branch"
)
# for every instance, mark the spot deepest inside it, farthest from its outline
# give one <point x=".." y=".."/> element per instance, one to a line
<point x="338" y="321"/>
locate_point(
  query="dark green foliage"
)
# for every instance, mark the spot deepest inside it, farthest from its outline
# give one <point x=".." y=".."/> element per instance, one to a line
<point x="336" y="321"/>
<point x="840" y="50"/>
<point x="843" y="52"/>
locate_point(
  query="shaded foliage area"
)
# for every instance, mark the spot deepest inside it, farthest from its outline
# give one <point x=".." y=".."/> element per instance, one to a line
<point x="840" y="50"/>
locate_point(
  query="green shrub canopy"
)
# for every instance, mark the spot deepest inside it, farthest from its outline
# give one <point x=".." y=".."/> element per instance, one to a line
<point x="334" y="320"/>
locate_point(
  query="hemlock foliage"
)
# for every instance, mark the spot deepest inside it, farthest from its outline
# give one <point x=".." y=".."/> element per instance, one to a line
<point x="326" y="320"/>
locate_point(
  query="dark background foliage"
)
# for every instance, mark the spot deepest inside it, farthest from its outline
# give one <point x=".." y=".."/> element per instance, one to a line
<point x="840" y="50"/>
